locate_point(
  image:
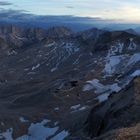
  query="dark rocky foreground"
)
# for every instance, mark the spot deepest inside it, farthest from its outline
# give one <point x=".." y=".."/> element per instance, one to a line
<point x="56" y="84"/>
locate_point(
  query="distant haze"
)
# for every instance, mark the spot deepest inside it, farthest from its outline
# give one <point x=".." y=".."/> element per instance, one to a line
<point x="76" y="14"/>
<point x="124" y="11"/>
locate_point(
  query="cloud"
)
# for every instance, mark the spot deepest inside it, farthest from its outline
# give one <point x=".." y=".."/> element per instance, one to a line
<point x="105" y="9"/>
<point x="21" y="17"/>
<point x="24" y="18"/>
<point x="12" y="14"/>
<point x="70" y="7"/>
<point x="5" y="3"/>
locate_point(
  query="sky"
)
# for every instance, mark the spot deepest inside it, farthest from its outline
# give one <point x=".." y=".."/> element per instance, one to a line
<point x="118" y="10"/>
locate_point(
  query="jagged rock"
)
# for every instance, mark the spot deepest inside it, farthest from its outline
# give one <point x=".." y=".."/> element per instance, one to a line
<point x="120" y="111"/>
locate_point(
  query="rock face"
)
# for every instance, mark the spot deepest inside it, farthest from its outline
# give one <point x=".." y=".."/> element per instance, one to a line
<point x="120" y="114"/>
<point x="55" y="83"/>
<point x="119" y="111"/>
<point x="21" y="36"/>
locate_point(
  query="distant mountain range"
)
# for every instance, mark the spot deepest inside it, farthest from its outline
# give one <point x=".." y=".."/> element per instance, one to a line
<point x="21" y="18"/>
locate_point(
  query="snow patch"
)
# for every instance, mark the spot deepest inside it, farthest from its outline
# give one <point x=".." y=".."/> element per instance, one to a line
<point x="56" y="108"/>
<point x="23" y="120"/>
<point x="7" y="135"/>
<point x="61" y="136"/>
<point x="82" y="108"/>
<point x="103" y="97"/>
<point x="35" y="67"/>
<point x="117" y="48"/>
<point x="53" y="69"/>
<point x="71" y="48"/>
<point x="134" y="59"/>
<point x="111" y="64"/>
<point x="132" y="45"/>
<point x="51" y="44"/>
<point x="100" y="88"/>
<point x="39" y="131"/>
<point x="136" y="73"/>
<point x="13" y="52"/>
<point x="103" y="90"/>
<point x="75" y="107"/>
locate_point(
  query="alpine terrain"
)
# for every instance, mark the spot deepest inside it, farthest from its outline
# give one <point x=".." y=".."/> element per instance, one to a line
<point x="57" y="84"/>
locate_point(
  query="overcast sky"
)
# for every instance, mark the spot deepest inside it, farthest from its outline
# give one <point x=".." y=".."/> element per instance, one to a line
<point x="125" y="10"/>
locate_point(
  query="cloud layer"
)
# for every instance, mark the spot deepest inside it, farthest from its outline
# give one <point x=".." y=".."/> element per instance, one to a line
<point x="5" y="3"/>
<point x="23" y="18"/>
<point x="119" y="10"/>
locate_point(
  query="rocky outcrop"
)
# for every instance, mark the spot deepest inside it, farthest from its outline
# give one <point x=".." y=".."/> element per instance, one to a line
<point x="120" y="111"/>
<point x="130" y="133"/>
<point x="23" y="36"/>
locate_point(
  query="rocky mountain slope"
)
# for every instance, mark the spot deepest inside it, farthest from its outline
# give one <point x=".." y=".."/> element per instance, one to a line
<point x="56" y="84"/>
